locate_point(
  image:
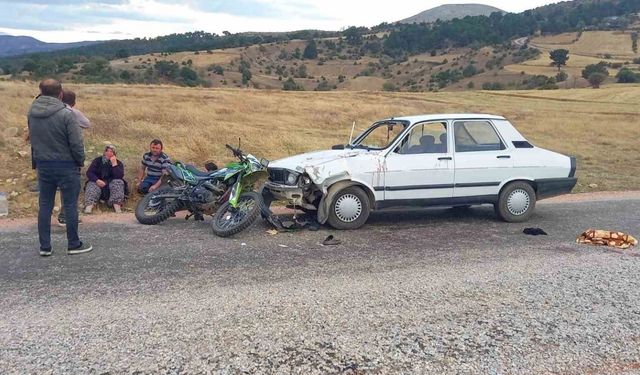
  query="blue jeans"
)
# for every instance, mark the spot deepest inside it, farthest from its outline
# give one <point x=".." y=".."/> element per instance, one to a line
<point x="68" y="180"/>
<point x="147" y="183"/>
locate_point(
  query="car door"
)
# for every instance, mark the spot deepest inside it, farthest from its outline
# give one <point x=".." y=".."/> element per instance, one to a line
<point x="481" y="157"/>
<point x="420" y="168"/>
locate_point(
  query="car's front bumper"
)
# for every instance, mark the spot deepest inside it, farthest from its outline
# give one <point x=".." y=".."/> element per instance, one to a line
<point x="550" y="187"/>
<point x="288" y="193"/>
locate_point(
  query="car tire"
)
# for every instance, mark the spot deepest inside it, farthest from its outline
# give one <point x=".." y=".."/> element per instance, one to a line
<point x="516" y="202"/>
<point x="349" y="209"/>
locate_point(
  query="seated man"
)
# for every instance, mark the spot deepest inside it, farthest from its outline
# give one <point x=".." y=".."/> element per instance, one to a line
<point x="154" y="163"/>
<point x="106" y="181"/>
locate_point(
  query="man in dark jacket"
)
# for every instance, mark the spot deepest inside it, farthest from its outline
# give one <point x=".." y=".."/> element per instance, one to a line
<point x="58" y="150"/>
<point x="106" y="181"/>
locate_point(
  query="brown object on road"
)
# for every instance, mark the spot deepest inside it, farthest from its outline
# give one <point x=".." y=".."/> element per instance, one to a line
<point x="608" y="238"/>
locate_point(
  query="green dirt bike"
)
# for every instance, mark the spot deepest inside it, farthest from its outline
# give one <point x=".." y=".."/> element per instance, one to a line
<point x="227" y="194"/>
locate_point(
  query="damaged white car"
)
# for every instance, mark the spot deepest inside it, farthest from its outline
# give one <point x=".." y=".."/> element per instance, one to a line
<point x="430" y="160"/>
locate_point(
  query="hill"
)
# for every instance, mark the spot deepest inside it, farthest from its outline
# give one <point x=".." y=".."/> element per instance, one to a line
<point x="19" y="45"/>
<point x="450" y="11"/>
<point x="469" y="53"/>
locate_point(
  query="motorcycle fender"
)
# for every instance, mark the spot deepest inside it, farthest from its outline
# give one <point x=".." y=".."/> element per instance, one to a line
<point x="236" y="190"/>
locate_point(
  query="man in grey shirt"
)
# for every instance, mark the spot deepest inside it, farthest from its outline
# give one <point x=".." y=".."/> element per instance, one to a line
<point x="69" y="99"/>
<point x="58" y="151"/>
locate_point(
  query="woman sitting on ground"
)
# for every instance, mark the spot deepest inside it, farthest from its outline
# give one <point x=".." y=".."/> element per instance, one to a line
<point x="106" y="181"/>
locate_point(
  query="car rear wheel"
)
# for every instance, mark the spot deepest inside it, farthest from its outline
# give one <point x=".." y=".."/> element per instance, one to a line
<point x="349" y="209"/>
<point x="516" y="202"/>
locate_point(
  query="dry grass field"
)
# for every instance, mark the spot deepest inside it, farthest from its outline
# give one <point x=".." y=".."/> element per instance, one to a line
<point x="588" y="49"/>
<point x="601" y="127"/>
<point x="590" y="43"/>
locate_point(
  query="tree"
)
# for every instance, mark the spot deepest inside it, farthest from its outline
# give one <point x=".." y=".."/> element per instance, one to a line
<point x="559" y="57"/>
<point x="95" y="67"/>
<point x="246" y="76"/>
<point x="311" y="50"/>
<point x="122" y="53"/>
<point x="600" y="67"/>
<point x="217" y="69"/>
<point x="291" y="85"/>
<point x="470" y="70"/>
<point x="167" y="69"/>
<point x="595" y="79"/>
<point x="626" y="75"/>
<point x="352" y="36"/>
<point x="302" y="71"/>
<point x="188" y="74"/>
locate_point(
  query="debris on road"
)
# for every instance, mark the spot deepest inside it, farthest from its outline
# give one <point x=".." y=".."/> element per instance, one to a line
<point x="605" y="237"/>
<point x="534" y="231"/>
<point x="272" y="232"/>
<point x="330" y="240"/>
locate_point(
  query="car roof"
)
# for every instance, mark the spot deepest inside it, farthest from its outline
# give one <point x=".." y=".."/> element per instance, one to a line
<point x="447" y="116"/>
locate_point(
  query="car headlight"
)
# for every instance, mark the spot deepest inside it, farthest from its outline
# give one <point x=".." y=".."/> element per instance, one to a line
<point x="305" y="181"/>
<point x="292" y="178"/>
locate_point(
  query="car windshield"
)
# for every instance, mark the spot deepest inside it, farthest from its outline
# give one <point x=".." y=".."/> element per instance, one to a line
<point x="380" y="135"/>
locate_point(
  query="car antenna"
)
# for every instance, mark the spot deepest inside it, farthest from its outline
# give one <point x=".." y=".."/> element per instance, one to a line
<point x="352" y="128"/>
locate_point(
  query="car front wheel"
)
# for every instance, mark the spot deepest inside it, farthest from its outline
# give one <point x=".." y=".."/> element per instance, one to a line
<point x="516" y="202"/>
<point x="349" y="209"/>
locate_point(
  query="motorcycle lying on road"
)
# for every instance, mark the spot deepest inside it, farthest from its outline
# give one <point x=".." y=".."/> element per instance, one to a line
<point x="228" y="194"/>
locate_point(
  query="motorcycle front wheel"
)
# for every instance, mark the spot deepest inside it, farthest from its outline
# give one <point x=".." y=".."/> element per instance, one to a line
<point x="228" y="220"/>
<point x="153" y="210"/>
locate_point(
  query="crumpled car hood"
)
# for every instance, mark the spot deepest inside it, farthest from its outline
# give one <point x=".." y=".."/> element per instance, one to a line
<point x="320" y="165"/>
<point x="316" y="158"/>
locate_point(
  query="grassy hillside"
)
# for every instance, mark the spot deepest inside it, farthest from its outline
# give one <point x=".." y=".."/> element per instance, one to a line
<point x="600" y="127"/>
<point x="585" y="48"/>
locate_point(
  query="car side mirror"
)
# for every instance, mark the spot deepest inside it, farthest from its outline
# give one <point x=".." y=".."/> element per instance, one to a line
<point x="337" y="147"/>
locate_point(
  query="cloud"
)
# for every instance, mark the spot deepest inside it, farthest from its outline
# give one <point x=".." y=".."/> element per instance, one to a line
<point x="74" y="20"/>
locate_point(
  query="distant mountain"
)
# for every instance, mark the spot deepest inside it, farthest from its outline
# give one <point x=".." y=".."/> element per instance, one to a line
<point x="17" y="45"/>
<point x="451" y="11"/>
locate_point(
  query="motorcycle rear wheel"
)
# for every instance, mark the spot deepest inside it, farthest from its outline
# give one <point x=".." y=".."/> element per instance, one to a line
<point x="151" y="210"/>
<point x="228" y="220"/>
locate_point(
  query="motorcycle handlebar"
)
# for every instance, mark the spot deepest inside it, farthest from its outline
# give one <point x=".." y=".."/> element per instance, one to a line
<point x="236" y="151"/>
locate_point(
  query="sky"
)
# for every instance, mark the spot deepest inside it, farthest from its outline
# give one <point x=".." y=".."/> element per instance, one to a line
<point x="79" y="20"/>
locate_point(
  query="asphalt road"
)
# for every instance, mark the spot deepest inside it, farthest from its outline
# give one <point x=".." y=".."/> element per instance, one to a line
<point x="435" y="291"/>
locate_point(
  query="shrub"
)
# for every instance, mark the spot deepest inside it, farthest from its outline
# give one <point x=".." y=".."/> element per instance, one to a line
<point x="627" y="76"/>
<point x="389" y="86"/>
<point x="291" y="85"/>
<point x="561" y="76"/>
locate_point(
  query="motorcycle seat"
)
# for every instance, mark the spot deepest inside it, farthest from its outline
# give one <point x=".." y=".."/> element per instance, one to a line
<point x="197" y="172"/>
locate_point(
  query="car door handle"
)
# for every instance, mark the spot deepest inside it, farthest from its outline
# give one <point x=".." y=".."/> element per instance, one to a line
<point x="445" y="158"/>
<point x="503" y="157"/>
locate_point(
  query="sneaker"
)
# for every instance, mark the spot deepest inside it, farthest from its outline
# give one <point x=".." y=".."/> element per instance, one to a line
<point x="83" y="248"/>
<point x="46" y="252"/>
<point x="88" y="209"/>
<point x="117" y="208"/>
<point x="62" y="222"/>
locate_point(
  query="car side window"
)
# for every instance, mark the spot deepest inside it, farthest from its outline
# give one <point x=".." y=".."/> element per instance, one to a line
<point x="426" y="138"/>
<point x="476" y="136"/>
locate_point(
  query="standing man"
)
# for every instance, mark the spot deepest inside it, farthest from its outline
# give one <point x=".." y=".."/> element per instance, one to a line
<point x="58" y="151"/>
<point x="153" y="163"/>
<point x="69" y="99"/>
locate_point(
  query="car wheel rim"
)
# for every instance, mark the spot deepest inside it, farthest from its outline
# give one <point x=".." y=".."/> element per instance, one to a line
<point x="518" y="202"/>
<point x="348" y="208"/>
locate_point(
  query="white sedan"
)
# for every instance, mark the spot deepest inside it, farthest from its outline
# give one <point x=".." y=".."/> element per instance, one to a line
<point x="417" y="161"/>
